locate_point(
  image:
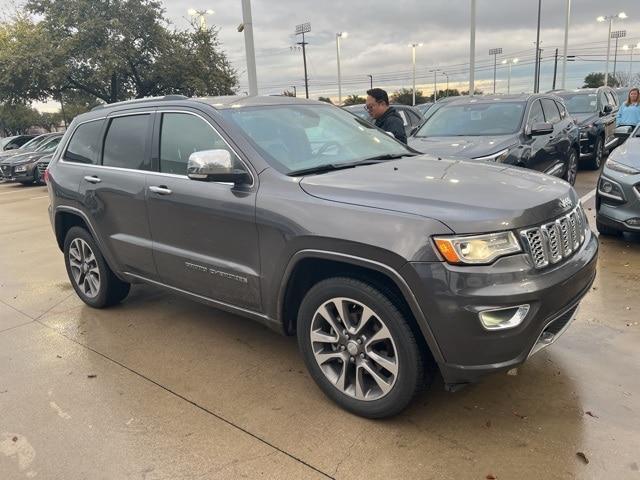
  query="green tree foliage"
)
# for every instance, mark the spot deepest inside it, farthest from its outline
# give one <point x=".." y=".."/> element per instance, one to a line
<point x="596" y="79"/>
<point x="404" y="96"/>
<point x="111" y="50"/>
<point x="17" y="118"/>
<point x="354" y="100"/>
<point x="288" y="93"/>
<point x="325" y="99"/>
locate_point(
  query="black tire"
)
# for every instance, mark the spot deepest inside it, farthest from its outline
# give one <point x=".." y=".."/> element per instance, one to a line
<point x="410" y="362"/>
<point x="595" y="161"/>
<point x="571" y="170"/>
<point x="607" y="230"/>
<point x="111" y="290"/>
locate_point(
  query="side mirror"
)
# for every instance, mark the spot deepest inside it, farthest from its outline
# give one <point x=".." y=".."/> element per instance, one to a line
<point x="607" y="109"/>
<point x="542" y="128"/>
<point x="215" y="166"/>
<point x="623" y="132"/>
<point x="414" y="130"/>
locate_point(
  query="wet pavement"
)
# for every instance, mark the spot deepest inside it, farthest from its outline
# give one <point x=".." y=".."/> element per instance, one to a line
<point x="162" y="387"/>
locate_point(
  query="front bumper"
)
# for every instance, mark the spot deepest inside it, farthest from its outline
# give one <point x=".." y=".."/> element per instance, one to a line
<point x="615" y="213"/>
<point x="451" y="298"/>
<point x="9" y="173"/>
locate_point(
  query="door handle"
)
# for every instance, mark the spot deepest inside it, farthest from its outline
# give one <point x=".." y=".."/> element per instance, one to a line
<point x="92" y="179"/>
<point x="161" y="190"/>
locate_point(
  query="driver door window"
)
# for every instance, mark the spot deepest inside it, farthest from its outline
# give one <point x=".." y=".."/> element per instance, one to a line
<point x="182" y="134"/>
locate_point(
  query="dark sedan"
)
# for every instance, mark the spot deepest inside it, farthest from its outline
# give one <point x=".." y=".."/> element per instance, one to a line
<point x="531" y="131"/>
<point x="27" y="147"/>
<point x="23" y="168"/>
<point x="594" y="110"/>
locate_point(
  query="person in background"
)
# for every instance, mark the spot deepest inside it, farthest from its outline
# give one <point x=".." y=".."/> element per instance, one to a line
<point x="629" y="113"/>
<point x="386" y="117"/>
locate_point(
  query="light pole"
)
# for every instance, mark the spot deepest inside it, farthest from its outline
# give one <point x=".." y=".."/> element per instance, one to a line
<point x="301" y="29"/>
<point x="610" y="19"/>
<point x="247" y="27"/>
<point x="435" y="84"/>
<point x="446" y="92"/>
<point x="631" y="48"/>
<point x="413" y="59"/>
<point x="617" y="35"/>
<point x="509" y="62"/>
<point x="566" y="44"/>
<point x="339" y="36"/>
<point x="201" y="15"/>
<point x="495" y="52"/>
<point x="472" y="49"/>
<point x="370" y="81"/>
<point x="536" y="78"/>
<point x="295" y="92"/>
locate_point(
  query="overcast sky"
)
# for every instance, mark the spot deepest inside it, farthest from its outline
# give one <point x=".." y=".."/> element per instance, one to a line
<point x="379" y="33"/>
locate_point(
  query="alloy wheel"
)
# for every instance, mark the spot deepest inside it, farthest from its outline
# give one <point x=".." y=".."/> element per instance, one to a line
<point x="354" y="348"/>
<point x="572" y="168"/>
<point x="84" y="267"/>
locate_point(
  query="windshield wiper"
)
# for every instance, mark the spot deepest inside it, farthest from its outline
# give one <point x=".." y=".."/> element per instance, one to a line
<point x="330" y="167"/>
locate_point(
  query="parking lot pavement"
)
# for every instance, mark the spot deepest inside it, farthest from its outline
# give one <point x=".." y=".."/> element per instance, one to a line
<point x="182" y="390"/>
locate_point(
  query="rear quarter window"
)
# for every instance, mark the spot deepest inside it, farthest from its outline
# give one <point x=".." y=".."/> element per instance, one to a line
<point x="83" y="146"/>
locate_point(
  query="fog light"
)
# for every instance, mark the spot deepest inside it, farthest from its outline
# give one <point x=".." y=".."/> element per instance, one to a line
<point x="503" y="318"/>
<point x="610" y="189"/>
<point x="634" y="222"/>
<point x="21" y="168"/>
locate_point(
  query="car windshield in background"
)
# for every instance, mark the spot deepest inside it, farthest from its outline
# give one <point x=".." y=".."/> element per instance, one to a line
<point x="474" y="119"/>
<point x="580" y="102"/>
<point x="35" y="142"/>
<point x="299" y="137"/>
<point x="360" y="111"/>
<point x="50" y="145"/>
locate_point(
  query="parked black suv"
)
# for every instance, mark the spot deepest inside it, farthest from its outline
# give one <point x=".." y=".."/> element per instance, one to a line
<point x="314" y="222"/>
<point x="594" y="110"/>
<point x="531" y="131"/>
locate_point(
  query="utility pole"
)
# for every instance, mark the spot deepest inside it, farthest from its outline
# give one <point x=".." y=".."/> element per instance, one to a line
<point x="370" y="81"/>
<point x="446" y="92"/>
<point x="247" y="28"/>
<point x="536" y="81"/>
<point x="555" y="70"/>
<point x="435" y="84"/>
<point x="301" y="30"/>
<point x="472" y="49"/>
<point x="617" y="35"/>
<point x="563" y="83"/>
<point x="413" y="61"/>
<point x="339" y="36"/>
<point x="495" y="52"/>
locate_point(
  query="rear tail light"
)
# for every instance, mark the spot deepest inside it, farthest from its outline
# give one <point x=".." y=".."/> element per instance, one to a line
<point x="46" y="175"/>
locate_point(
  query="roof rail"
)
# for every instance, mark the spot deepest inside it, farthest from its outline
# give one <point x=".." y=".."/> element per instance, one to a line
<point x="140" y="100"/>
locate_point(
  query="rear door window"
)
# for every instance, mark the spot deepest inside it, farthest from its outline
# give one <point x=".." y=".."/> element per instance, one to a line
<point x="126" y="141"/>
<point x="551" y="112"/>
<point x="83" y="146"/>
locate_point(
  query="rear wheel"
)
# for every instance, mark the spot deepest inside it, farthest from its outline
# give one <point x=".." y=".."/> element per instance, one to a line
<point x="359" y="347"/>
<point x="92" y="279"/>
<point x="571" y="171"/>
<point x="595" y="161"/>
<point x="607" y="230"/>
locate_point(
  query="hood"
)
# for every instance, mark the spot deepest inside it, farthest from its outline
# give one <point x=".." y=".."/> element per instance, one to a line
<point x="463" y="147"/>
<point x="584" y="118"/>
<point x="13" y="153"/>
<point x="469" y="197"/>
<point x="24" y="158"/>
<point x="628" y="153"/>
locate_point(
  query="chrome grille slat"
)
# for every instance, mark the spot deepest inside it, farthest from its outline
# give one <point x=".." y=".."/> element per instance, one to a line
<point x="552" y="242"/>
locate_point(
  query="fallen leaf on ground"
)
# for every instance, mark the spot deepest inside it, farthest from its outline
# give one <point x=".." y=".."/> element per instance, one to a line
<point x="591" y="414"/>
<point x="582" y="457"/>
<point x="488" y="424"/>
<point x="513" y="372"/>
<point x="491" y="477"/>
<point x="92" y="375"/>
<point x="15" y="439"/>
<point x="59" y="356"/>
<point x="519" y="416"/>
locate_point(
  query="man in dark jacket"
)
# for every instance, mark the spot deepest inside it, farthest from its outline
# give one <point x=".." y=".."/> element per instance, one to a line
<point x="386" y="117"/>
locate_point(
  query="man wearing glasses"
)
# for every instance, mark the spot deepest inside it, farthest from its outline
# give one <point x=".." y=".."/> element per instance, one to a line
<point x="386" y="117"/>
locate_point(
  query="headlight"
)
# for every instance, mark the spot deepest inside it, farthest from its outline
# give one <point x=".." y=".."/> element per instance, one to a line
<point x="610" y="189"/>
<point x="21" y="168"/>
<point x="477" y="249"/>
<point x="495" y="157"/>
<point x="619" y="167"/>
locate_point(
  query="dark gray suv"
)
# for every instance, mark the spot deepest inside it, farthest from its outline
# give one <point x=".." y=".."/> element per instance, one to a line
<point x="386" y="264"/>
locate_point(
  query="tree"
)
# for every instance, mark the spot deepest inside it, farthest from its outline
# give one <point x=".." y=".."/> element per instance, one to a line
<point x="444" y="93"/>
<point x="288" y="93"/>
<point x="17" y="118"/>
<point x="596" y="79"/>
<point x="354" y="100"/>
<point x="325" y="99"/>
<point x="111" y="50"/>
<point x="405" y="96"/>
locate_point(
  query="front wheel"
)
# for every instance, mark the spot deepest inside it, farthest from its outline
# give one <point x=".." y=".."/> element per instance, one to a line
<point x="598" y="154"/>
<point x="359" y="348"/>
<point x="571" y="171"/>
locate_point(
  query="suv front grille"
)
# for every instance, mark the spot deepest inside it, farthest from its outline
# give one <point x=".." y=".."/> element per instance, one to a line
<point x="554" y="241"/>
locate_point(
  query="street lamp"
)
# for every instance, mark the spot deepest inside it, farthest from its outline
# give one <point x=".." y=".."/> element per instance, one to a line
<point x="495" y="52"/>
<point x="370" y="81"/>
<point x="413" y="58"/>
<point x="509" y="62"/>
<point x="618" y="34"/>
<point x="435" y="84"/>
<point x="631" y="48"/>
<point x="339" y="35"/>
<point x="201" y="14"/>
<point x="610" y="19"/>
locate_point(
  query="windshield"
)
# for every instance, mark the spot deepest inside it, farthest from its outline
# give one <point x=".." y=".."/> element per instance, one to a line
<point x="360" y="111"/>
<point x="34" y="142"/>
<point x="580" y="102"/>
<point x="298" y="137"/>
<point x="474" y="119"/>
<point x="50" y="145"/>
